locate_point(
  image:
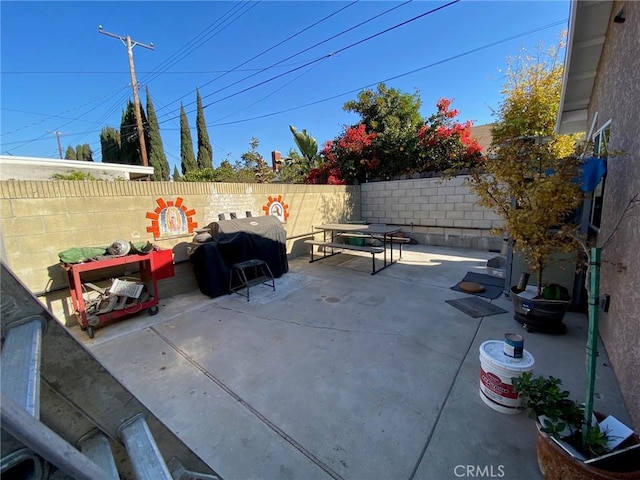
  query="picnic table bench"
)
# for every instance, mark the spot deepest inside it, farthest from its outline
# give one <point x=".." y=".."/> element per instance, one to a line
<point x="383" y="232"/>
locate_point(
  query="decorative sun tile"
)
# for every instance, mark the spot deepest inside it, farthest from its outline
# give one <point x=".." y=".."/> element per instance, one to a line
<point x="275" y="206"/>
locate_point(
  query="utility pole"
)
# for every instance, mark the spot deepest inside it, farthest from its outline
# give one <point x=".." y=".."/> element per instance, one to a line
<point x="57" y="134"/>
<point x="136" y="100"/>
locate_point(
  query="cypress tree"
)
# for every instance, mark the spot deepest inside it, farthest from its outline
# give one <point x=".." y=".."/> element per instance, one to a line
<point x="187" y="157"/>
<point x="155" y="150"/>
<point x="110" y="145"/>
<point x="205" y="152"/>
<point x="129" y="140"/>
<point x="129" y="144"/>
<point x="83" y="152"/>
<point x="176" y="174"/>
<point x="88" y="153"/>
<point x="70" y="154"/>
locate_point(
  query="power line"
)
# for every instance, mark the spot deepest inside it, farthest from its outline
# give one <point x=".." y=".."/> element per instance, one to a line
<point x="266" y="51"/>
<point x="100" y="120"/>
<point x="298" y="53"/>
<point x="114" y="72"/>
<point x="40" y="114"/>
<point x="410" y="72"/>
<point x="175" y="61"/>
<point x="27" y="142"/>
<point x="272" y="93"/>
<point x="407" y="73"/>
<point x="130" y="44"/>
<point x="203" y="37"/>
<point x="57" y="134"/>
<point x="370" y="37"/>
<point x="53" y="116"/>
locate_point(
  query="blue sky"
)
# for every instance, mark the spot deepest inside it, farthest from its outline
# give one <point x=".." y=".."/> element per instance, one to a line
<point x="59" y="73"/>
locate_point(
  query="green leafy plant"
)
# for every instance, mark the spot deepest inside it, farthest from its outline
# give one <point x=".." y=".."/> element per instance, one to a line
<point x="308" y="146"/>
<point x="74" y="175"/>
<point x="559" y="416"/>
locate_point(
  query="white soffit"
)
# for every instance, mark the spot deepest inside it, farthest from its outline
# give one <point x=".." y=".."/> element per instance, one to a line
<point x="588" y="25"/>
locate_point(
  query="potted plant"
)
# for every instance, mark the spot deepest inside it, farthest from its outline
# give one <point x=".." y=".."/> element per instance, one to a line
<point x="529" y="180"/>
<point x="568" y="439"/>
<point x="567" y="444"/>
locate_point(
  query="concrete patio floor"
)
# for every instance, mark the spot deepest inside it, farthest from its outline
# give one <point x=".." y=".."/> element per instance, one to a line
<point x="340" y="374"/>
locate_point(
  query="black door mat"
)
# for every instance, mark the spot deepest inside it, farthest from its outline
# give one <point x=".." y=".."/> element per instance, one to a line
<point x="475" y="307"/>
<point x="493" y="287"/>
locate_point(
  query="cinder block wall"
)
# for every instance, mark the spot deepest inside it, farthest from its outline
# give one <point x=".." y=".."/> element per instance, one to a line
<point x="38" y="219"/>
<point x="433" y="211"/>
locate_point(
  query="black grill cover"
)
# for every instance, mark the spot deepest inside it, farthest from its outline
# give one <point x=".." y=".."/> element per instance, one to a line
<point x="234" y="241"/>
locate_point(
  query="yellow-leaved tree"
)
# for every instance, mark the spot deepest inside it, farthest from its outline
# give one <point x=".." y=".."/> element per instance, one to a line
<point x="529" y="177"/>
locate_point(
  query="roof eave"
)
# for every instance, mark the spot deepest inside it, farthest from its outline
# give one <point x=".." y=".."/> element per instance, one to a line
<point x="588" y="22"/>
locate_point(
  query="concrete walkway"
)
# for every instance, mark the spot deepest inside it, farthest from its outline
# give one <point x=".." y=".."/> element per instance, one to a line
<point x="340" y="374"/>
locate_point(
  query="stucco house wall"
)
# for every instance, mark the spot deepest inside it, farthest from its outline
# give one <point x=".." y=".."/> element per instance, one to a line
<point x="616" y="97"/>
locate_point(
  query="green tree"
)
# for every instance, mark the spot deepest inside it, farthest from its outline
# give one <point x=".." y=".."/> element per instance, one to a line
<point x="250" y="158"/>
<point x="155" y="150"/>
<point x="70" y="154"/>
<point x="308" y="148"/>
<point x="254" y="163"/>
<point x="187" y="157"/>
<point x="83" y="152"/>
<point x="201" y="175"/>
<point x="205" y="152"/>
<point x="176" y="174"/>
<point x="291" y="170"/>
<point x="529" y="178"/>
<point x="264" y="173"/>
<point x="392" y="139"/>
<point x="394" y="117"/>
<point x="129" y="138"/>
<point x="110" y="145"/>
<point x="226" y="173"/>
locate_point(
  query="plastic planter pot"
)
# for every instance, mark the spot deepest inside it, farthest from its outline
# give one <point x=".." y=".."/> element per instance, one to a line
<point x="539" y="314"/>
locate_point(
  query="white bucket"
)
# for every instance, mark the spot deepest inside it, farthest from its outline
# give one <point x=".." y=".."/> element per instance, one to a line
<point x="496" y="372"/>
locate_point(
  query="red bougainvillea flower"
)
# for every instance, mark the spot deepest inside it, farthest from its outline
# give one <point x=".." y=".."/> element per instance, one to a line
<point x="355" y="139"/>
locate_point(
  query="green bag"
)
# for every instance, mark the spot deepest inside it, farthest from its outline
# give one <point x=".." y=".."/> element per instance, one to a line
<point x="80" y="254"/>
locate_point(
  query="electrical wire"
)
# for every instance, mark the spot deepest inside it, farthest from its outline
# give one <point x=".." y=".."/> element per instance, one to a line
<point x="106" y="114"/>
<point x="299" y="53"/>
<point x="57" y="115"/>
<point x="279" y="112"/>
<point x="118" y="103"/>
<point x="272" y="93"/>
<point x="291" y="37"/>
<point x="395" y="77"/>
<point x="123" y="72"/>
<point x="114" y="106"/>
<point x="175" y="61"/>
<point x="370" y="37"/>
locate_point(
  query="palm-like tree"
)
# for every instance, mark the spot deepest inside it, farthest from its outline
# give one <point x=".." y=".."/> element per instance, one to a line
<point x="308" y="147"/>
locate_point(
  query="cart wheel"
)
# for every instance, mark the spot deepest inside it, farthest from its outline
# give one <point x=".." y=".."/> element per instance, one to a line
<point x="153" y="310"/>
<point x="90" y="332"/>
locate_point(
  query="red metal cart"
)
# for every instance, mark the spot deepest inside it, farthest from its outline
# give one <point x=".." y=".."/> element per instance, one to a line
<point x="151" y="267"/>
